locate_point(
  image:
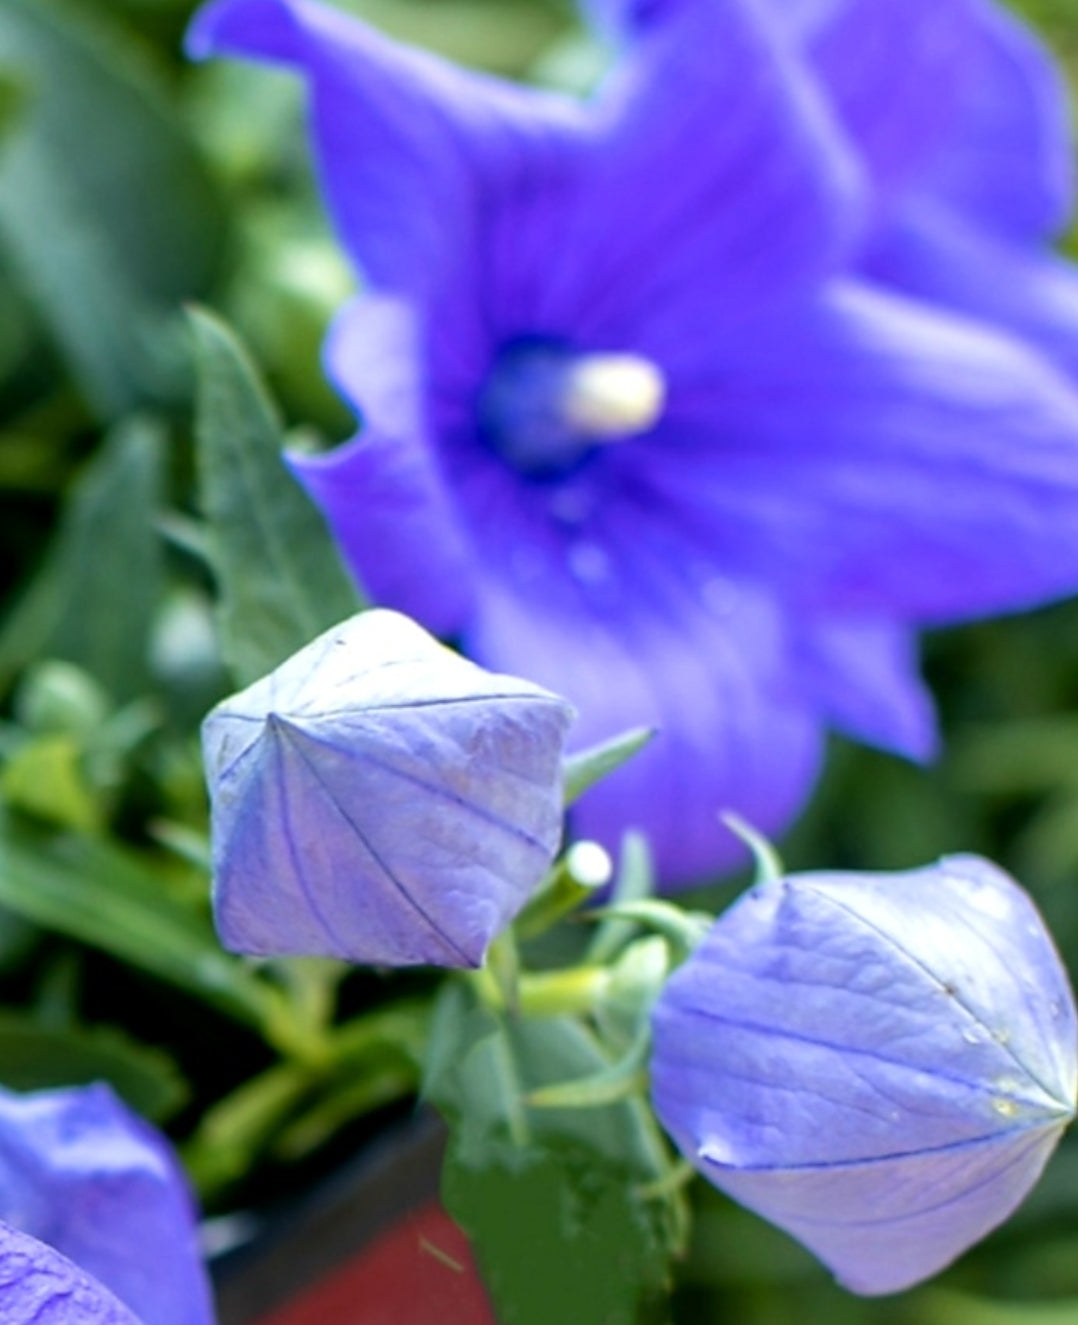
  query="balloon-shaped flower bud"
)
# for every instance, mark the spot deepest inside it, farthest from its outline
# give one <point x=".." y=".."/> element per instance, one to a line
<point x="380" y="799"/>
<point x="879" y="1064"/>
<point x="86" y="1183"/>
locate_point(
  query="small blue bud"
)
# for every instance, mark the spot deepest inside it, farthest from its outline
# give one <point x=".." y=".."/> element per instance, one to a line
<point x="881" y="1065"/>
<point x="379" y="799"/>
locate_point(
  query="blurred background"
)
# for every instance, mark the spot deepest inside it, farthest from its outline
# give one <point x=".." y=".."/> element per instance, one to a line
<point x="130" y="184"/>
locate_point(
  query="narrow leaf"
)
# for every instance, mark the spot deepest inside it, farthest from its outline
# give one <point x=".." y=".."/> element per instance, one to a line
<point x="281" y="580"/>
<point x="94" y="599"/>
<point x="107" y="214"/>
<point x="108" y="898"/>
<point x="38" y="1057"/>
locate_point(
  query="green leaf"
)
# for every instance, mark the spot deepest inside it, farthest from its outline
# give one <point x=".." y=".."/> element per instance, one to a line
<point x="936" y="1307"/>
<point x="45" y="778"/>
<point x="38" y="1057"/>
<point x="549" y="1195"/>
<point x="590" y="766"/>
<point x="93" y="601"/>
<point x="11" y="96"/>
<point x="280" y="578"/>
<point x="110" y="899"/>
<point x="106" y="211"/>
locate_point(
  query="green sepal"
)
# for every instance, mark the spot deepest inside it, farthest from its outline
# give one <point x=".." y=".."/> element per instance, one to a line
<point x="583" y="770"/>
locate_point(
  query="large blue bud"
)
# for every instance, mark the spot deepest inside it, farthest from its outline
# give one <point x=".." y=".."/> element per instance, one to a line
<point x="879" y="1064"/>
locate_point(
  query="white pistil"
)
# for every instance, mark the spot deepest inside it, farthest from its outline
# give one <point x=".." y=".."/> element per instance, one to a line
<point x="613" y="396"/>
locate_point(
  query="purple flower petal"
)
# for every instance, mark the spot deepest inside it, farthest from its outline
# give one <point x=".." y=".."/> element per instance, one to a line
<point x="379" y="799"/>
<point x="678" y="648"/>
<point x="1007" y="161"/>
<point x="863" y="675"/>
<point x="449" y="186"/>
<point x="935" y="255"/>
<point x="82" y="1173"/>
<point x="873" y="459"/>
<point x="773" y="203"/>
<point x="410" y="146"/>
<point x="892" y="71"/>
<point x="904" y="1102"/>
<point x="403" y="520"/>
<point x="38" y="1286"/>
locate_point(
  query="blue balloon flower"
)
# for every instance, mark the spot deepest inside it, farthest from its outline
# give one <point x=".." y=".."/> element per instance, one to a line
<point x="97" y="1225"/>
<point x="879" y="1064"/>
<point x="380" y="799"/>
<point x="636" y="423"/>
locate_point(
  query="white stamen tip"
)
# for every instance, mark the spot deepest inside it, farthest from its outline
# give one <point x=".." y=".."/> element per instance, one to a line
<point x="613" y="396"/>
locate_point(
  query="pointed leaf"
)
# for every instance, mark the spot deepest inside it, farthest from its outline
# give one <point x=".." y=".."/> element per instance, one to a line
<point x="281" y="580"/>
<point x="34" y="1056"/>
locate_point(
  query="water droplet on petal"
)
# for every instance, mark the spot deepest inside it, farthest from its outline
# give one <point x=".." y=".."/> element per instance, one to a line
<point x="589" y="563"/>
<point x="720" y="595"/>
<point x="571" y="505"/>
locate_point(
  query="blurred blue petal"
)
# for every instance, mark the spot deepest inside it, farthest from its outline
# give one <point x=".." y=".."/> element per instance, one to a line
<point x="38" y="1286"/>
<point x="864" y="675"/>
<point x="379" y="799"/>
<point x="881" y="1065"/>
<point x="83" y="1174"/>
<point x="934" y="254"/>
<point x="868" y="57"/>
<point x="937" y="479"/>
<point x="732" y="726"/>
<point x="1006" y="160"/>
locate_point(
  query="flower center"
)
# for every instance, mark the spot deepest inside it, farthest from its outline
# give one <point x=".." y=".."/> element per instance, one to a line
<point x="544" y="408"/>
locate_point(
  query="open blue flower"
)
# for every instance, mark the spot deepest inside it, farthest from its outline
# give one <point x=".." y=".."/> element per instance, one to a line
<point x="879" y="1064"/>
<point x="633" y="428"/>
<point x="380" y="799"/>
<point x="97" y="1225"/>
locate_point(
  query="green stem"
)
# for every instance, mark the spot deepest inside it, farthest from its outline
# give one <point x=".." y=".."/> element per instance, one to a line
<point x="569" y="993"/>
<point x="560" y="896"/>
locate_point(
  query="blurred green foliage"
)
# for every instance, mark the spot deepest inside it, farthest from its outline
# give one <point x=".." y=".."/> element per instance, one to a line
<point x="130" y="184"/>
